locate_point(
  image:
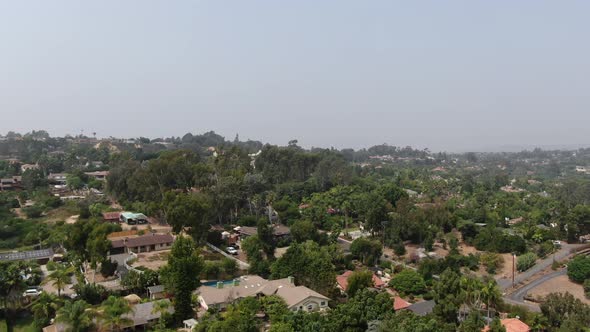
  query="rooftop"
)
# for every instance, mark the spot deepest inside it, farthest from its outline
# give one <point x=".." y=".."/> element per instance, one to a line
<point x="512" y="325"/>
<point x="144" y="240"/>
<point x="252" y="285"/>
<point x="26" y="255"/>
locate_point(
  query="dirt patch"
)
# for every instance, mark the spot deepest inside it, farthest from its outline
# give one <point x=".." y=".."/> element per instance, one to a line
<point x="559" y="284"/>
<point x="72" y="219"/>
<point x="152" y="260"/>
<point x="19" y="213"/>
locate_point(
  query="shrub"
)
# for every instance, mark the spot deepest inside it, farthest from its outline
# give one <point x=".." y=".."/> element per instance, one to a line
<point x="108" y="268"/>
<point x="230" y="266"/>
<point x="34" y="211"/>
<point x="578" y="269"/>
<point x="399" y="248"/>
<point x="587" y="288"/>
<point x="491" y="261"/>
<point x="526" y="261"/>
<point x="408" y="282"/>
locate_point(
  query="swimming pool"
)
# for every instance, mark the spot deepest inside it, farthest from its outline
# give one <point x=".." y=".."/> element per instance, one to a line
<point x="214" y="283"/>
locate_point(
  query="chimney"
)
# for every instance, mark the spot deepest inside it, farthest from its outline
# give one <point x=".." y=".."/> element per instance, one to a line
<point x="236" y="282"/>
<point x="220" y="284"/>
<point x="291" y="280"/>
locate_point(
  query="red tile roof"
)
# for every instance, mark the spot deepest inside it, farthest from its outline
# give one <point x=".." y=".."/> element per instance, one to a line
<point x="511" y="325"/>
<point x="399" y="303"/>
<point x="342" y="280"/>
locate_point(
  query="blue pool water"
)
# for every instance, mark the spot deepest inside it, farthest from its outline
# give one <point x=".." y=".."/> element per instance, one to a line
<point x="214" y="283"/>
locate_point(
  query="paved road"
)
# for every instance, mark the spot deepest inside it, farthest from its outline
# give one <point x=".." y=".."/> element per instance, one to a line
<point x="520" y="293"/>
<point x="561" y="254"/>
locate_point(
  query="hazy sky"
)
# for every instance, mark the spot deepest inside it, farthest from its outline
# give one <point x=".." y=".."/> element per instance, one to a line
<point x="450" y="75"/>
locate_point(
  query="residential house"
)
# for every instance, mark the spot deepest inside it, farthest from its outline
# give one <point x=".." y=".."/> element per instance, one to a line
<point x="422" y="308"/>
<point x="279" y="231"/>
<point x="156" y="292"/>
<point x="342" y="281"/>
<point x="10" y="183"/>
<point x="98" y="175"/>
<point x="57" y="178"/>
<point x="113" y="217"/>
<point x="131" y="218"/>
<point x="42" y="256"/>
<point x="297" y="298"/>
<point x="141" y="317"/>
<point x="144" y="243"/>
<point x="28" y="167"/>
<point x="511" y="325"/>
<point x="400" y="304"/>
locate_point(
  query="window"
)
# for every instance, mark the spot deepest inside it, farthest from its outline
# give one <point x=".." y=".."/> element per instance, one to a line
<point x="309" y="307"/>
<point x="323" y="303"/>
<point x="300" y="307"/>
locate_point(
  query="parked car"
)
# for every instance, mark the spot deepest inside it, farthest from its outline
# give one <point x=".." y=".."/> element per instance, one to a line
<point x="231" y="251"/>
<point x="557" y="243"/>
<point x="235" y="246"/>
<point x="32" y="292"/>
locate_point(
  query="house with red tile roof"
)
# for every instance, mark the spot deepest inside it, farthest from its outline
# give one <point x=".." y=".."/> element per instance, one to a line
<point x="511" y="325"/>
<point x="342" y="281"/>
<point x="400" y="304"/>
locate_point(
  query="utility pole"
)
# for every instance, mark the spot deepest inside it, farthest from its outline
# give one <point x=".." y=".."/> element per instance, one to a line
<point x="513" y="267"/>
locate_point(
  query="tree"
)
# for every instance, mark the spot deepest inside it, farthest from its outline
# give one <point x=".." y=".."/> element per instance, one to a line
<point x="355" y="315"/>
<point x="180" y="275"/>
<point x="60" y="277"/>
<point x="408" y="282"/>
<point x="253" y="249"/>
<point x="491" y="295"/>
<point x="578" y="268"/>
<point x="310" y="264"/>
<point x="188" y="212"/>
<point x="447" y="295"/>
<point x="112" y="313"/>
<point x="162" y="308"/>
<point x="560" y="308"/>
<point x="11" y="283"/>
<point x="93" y="294"/>
<point x="76" y="315"/>
<point x="138" y="283"/>
<point x="496" y="326"/>
<point x="359" y="280"/>
<point x="266" y="237"/>
<point x="368" y="251"/>
<point x="407" y="321"/>
<point x="304" y="230"/>
<point x="44" y="308"/>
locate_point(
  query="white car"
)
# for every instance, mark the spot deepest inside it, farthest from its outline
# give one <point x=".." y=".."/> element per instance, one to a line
<point x="32" y="292"/>
<point x="557" y="243"/>
<point x="231" y="251"/>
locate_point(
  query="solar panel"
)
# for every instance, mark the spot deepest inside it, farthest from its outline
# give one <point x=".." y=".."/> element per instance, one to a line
<point x="26" y="255"/>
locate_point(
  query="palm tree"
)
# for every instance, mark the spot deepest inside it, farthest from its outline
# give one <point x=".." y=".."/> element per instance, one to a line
<point x="161" y="307"/>
<point x="76" y="315"/>
<point x="113" y="311"/>
<point x="60" y="278"/>
<point x="491" y="295"/>
<point x="44" y="308"/>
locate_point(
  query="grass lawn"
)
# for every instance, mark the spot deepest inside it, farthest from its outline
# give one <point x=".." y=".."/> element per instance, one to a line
<point x="23" y="324"/>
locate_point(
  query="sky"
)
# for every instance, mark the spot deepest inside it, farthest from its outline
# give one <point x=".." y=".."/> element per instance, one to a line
<point x="447" y="75"/>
